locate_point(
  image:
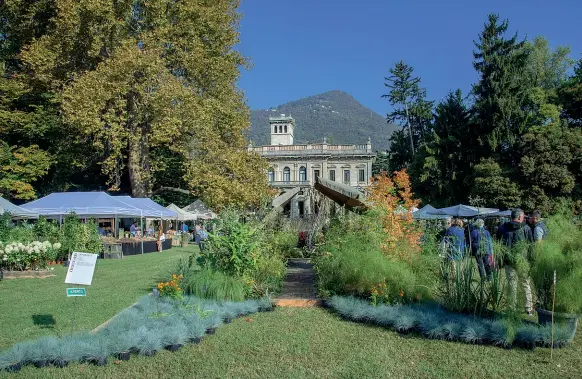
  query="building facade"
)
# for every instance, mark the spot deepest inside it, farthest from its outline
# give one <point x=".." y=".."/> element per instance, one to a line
<point x="294" y="168"/>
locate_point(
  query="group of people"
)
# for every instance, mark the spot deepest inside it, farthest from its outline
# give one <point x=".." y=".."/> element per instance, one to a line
<point x="476" y="239"/>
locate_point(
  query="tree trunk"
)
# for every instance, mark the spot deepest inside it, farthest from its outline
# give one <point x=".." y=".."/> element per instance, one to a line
<point x="409" y="130"/>
<point x="139" y="167"/>
<point x="138" y="160"/>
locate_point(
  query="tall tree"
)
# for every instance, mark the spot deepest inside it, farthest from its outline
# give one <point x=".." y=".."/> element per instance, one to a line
<point x="411" y="110"/>
<point x="570" y="94"/>
<point x="140" y="75"/>
<point x="501" y="94"/>
<point x="445" y="168"/>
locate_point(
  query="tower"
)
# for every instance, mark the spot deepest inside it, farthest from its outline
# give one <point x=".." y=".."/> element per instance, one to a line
<point x="282" y="130"/>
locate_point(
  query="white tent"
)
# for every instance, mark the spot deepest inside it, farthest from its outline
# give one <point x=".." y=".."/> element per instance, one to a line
<point x="15" y="211"/>
<point x="200" y="210"/>
<point x="182" y="214"/>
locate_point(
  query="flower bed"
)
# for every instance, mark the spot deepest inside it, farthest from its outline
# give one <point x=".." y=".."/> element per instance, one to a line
<point x="32" y="256"/>
<point x="434" y="322"/>
<point x="153" y="324"/>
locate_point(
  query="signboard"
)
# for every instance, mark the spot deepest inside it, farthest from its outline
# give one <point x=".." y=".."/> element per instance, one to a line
<point x="76" y="292"/>
<point x="81" y="268"/>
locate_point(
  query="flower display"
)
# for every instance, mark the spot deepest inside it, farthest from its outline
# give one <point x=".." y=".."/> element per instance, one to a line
<point x="171" y="288"/>
<point x="32" y="256"/>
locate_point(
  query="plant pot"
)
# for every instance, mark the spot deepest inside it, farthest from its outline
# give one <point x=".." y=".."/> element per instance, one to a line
<point x="60" y="363"/>
<point x="195" y="340"/>
<point x="227" y="320"/>
<point x="15" y="367"/>
<point x="124" y="355"/>
<point x="174" y="347"/>
<point x="210" y="330"/>
<point x="98" y="361"/>
<point x="41" y="363"/>
<point x="149" y="353"/>
<point x="568" y="320"/>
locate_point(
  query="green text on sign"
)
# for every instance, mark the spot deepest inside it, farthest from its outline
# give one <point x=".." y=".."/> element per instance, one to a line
<point x="76" y="292"/>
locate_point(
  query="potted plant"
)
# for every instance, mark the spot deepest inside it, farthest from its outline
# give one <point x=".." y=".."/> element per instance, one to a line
<point x="195" y="328"/>
<point x="41" y="351"/>
<point x="553" y="256"/>
<point x="63" y="351"/>
<point x="150" y="341"/>
<point x="13" y="359"/>
<point x="175" y="334"/>
<point x="212" y="322"/>
<point x="93" y="349"/>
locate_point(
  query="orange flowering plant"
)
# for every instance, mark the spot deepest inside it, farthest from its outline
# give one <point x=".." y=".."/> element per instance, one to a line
<point x="392" y="199"/>
<point x="171" y="288"/>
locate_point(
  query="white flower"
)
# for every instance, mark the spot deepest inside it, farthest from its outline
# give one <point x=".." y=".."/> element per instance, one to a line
<point x="46" y="244"/>
<point x="5" y="258"/>
<point x="56" y="245"/>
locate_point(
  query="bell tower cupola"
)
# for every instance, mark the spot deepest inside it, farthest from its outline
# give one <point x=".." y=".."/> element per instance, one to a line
<point x="282" y="128"/>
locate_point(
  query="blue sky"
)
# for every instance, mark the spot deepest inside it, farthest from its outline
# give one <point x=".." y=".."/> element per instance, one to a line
<point x="300" y="48"/>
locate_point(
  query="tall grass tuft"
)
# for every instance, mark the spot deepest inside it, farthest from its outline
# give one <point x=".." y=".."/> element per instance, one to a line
<point x="210" y="284"/>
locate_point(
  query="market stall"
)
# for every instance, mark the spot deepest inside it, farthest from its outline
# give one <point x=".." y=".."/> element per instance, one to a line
<point x="109" y="211"/>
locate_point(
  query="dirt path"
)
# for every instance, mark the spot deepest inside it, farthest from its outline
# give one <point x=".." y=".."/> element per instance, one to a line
<point x="299" y="286"/>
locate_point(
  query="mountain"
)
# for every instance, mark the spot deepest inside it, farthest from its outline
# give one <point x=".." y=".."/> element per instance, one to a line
<point x="334" y="114"/>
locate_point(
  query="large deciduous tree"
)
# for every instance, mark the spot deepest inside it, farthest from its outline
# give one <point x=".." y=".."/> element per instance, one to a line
<point x="135" y="76"/>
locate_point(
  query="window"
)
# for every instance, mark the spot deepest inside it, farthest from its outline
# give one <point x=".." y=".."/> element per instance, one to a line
<point x="285" y="128"/>
<point x="271" y="175"/>
<point x="362" y="176"/>
<point x="280" y="128"/>
<point x="275" y="129"/>
<point x="332" y="175"/>
<point x="346" y="176"/>
<point x="315" y="174"/>
<point x="286" y="174"/>
<point x="302" y="174"/>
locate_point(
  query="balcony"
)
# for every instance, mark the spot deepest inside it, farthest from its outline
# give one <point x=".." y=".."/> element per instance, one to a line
<point x="290" y="183"/>
<point x="312" y="149"/>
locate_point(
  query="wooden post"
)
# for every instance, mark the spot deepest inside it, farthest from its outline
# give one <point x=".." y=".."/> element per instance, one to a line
<point x="553" y="305"/>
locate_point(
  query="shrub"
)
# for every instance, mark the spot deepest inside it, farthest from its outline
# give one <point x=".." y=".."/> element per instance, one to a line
<point x="245" y="250"/>
<point x="352" y="262"/>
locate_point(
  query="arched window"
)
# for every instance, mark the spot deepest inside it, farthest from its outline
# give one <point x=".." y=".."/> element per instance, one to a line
<point x="275" y="129"/>
<point x="286" y="174"/>
<point x="280" y="128"/>
<point x="271" y="174"/>
<point x="285" y="128"/>
<point x="302" y="174"/>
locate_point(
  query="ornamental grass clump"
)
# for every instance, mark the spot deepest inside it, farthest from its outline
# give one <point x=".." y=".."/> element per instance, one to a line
<point x="434" y="322"/>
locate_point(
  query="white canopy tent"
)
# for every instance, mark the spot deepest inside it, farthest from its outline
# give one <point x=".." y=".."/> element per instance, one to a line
<point x="201" y="211"/>
<point x="182" y="214"/>
<point x="16" y="211"/>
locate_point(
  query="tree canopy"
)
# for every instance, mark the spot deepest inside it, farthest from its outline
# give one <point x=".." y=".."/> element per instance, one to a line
<point x="116" y="90"/>
<point x="515" y="140"/>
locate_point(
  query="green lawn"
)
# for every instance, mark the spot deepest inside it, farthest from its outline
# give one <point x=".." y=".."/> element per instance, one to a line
<point x="34" y="307"/>
<point x="297" y="343"/>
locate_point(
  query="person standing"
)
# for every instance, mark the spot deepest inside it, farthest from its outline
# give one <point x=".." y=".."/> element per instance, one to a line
<point x="517" y="236"/>
<point x="455" y="237"/>
<point x="539" y="229"/>
<point x="482" y="249"/>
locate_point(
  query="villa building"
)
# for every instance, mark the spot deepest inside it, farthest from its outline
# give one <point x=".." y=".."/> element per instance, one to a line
<point x="294" y="168"/>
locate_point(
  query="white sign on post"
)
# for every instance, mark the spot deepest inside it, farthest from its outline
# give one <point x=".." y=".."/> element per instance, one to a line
<point x="81" y="268"/>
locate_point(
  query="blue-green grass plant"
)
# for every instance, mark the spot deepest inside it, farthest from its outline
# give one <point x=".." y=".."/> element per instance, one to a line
<point x="474" y="332"/>
<point x="152" y="324"/>
<point x="175" y="332"/>
<point x="433" y="321"/>
<point x="14" y="358"/>
<point x="150" y="341"/>
<point x="93" y="348"/>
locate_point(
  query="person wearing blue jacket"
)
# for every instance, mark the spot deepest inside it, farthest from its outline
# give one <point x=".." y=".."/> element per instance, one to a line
<point x="482" y="249"/>
<point x="455" y="239"/>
